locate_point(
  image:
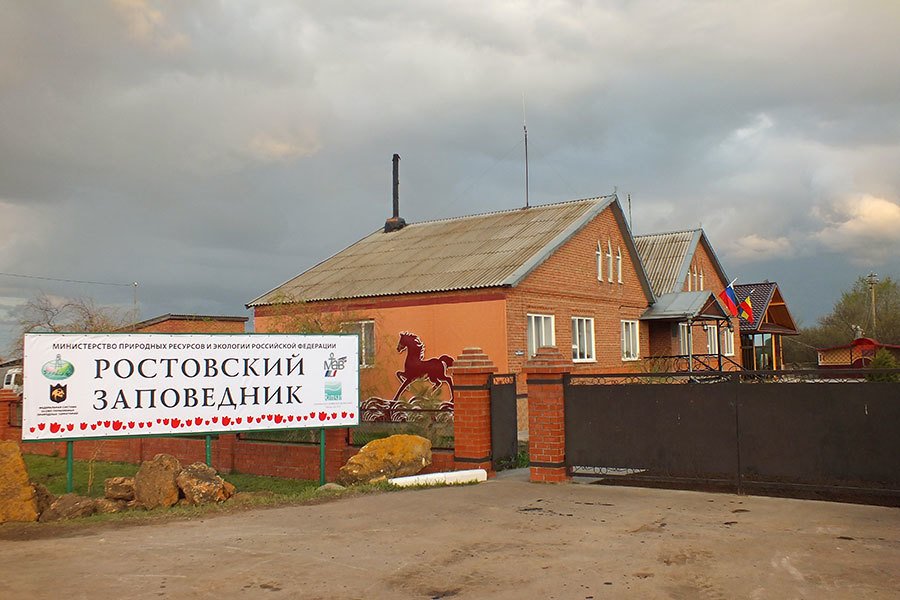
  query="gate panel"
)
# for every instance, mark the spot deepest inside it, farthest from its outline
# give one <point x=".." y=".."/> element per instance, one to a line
<point x="504" y="423"/>
<point x="821" y="433"/>
<point x="685" y="430"/>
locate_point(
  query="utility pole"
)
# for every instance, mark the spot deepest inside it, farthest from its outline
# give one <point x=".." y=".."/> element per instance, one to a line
<point x="873" y="279"/>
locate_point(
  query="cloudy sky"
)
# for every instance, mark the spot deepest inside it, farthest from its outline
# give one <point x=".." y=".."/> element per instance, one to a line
<point x="211" y="150"/>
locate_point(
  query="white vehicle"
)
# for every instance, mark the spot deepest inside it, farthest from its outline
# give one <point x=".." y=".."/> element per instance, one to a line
<point x="13" y="380"/>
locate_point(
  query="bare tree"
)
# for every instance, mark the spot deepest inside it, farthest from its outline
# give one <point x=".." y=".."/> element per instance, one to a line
<point x="44" y="313"/>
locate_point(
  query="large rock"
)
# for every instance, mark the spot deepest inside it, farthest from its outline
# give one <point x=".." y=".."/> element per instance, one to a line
<point x="119" y="488"/>
<point x="395" y="456"/>
<point x="17" y="501"/>
<point x="69" y="506"/>
<point x="201" y="485"/>
<point x="154" y="483"/>
<point x="43" y="497"/>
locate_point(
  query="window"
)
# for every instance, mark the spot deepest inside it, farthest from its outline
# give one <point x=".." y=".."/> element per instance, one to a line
<point x="695" y="278"/>
<point x="684" y="339"/>
<point x="583" y="339"/>
<point x="631" y="346"/>
<point x="599" y="262"/>
<point x="540" y="332"/>
<point x="15" y="414"/>
<point x="608" y="261"/>
<point x="701" y="279"/>
<point x="712" y="339"/>
<point x="728" y="343"/>
<point x="619" y="262"/>
<point x="366" y="332"/>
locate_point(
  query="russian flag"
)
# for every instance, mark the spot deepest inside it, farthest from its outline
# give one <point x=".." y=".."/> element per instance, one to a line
<point x="729" y="299"/>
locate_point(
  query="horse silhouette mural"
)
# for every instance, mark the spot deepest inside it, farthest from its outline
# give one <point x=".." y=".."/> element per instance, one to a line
<point x="417" y="366"/>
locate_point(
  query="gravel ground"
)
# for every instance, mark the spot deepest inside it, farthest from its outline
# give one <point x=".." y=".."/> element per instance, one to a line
<point x="502" y="539"/>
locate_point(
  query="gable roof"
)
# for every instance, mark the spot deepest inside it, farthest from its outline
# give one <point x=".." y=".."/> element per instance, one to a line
<point x="764" y="296"/>
<point x="667" y="257"/>
<point x="478" y="251"/>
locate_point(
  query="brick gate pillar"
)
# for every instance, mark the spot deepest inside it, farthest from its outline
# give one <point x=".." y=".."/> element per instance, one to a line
<point x="336" y="444"/>
<point x="546" y="415"/>
<point x="471" y="374"/>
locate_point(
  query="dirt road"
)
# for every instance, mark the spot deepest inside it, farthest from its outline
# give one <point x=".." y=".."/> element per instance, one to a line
<point x="500" y="539"/>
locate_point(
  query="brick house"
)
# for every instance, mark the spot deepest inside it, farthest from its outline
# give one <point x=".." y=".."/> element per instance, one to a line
<point x="565" y="274"/>
<point x="687" y="319"/>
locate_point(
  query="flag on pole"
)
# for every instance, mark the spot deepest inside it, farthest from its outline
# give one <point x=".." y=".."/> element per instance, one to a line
<point x="729" y="299"/>
<point x="747" y="309"/>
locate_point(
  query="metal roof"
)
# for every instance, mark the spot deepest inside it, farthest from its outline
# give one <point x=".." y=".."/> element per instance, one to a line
<point x="477" y="251"/>
<point x="685" y="305"/>
<point x="667" y="257"/>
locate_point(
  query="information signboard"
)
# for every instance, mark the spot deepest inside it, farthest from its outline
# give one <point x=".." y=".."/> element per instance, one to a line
<point x="138" y="384"/>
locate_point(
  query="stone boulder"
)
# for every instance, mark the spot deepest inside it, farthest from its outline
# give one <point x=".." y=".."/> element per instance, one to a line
<point x="379" y="460"/>
<point x="105" y="505"/>
<point x="154" y="484"/>
<point x="119" y="488"/>
<point x="43" y="497"/>
<point x="17" y="498"/>
<point x="202" y="485"/>
<point x="69" y="506"/>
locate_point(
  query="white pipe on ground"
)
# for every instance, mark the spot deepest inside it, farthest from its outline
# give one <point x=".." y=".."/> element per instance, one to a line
<point x="468" y="476"/>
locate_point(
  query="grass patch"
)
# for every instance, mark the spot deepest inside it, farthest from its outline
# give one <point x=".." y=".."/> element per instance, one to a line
<point x="51" y="472"/>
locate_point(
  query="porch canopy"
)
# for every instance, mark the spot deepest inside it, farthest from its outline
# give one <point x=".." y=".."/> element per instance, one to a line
<point x="686" y="306"/>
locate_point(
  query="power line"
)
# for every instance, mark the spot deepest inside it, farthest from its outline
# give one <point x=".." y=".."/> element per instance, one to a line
<point x="66" y="280"/>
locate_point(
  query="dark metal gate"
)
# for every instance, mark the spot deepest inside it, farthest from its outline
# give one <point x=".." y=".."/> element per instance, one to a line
<point x="504" y="424"/>
<point x="797" y="436"/>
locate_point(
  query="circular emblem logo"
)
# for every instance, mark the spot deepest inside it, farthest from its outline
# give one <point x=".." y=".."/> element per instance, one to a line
<point x="58" y="369"/>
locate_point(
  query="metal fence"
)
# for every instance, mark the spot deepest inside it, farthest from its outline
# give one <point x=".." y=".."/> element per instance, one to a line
<point x="380" y="418"/>
<point x="809" y="433"/>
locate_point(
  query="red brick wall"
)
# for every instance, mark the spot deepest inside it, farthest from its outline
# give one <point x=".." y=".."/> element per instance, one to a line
<point x="566" y="286"/>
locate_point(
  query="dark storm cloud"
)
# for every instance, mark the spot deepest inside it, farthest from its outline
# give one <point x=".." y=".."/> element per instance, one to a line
<point x="211" y="151"/>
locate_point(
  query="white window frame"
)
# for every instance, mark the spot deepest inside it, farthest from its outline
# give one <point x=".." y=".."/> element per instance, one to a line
<point x="712" y="339"/>
<point x="728" y="343"/>
<point x="531" y="340"/>
<point x="701" y="279"/>
<point x="684" y="339"/>
<point x="366" y="342"/>
<point x="631" y="340"/>
<point x="619" y="262"/>
<point x="696" y="287"/>
<point x="690" y="288"/>
<point x="599" y="261"/>
<point x="583" y="339"/>
<point x="609" y="267"/>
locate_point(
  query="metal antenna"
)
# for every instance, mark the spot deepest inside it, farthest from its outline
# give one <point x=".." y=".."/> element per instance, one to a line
<point x="525" y="129"/>
<point x="630" y="224"/>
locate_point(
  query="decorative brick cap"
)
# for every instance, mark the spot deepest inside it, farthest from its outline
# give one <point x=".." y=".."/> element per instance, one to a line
<point x="473" y="360"/>
<point x="548" y="360"/>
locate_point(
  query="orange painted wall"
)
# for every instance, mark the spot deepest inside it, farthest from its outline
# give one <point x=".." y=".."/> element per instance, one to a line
<point x="445" y="328"/>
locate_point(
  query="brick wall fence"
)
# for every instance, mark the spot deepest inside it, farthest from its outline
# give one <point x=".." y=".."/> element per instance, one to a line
<point x="472" y="431"/>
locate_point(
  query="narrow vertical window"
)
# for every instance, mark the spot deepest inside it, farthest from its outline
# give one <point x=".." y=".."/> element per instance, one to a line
<point x="631" y="344"/>
<point x="701" y="279"/>
<point x="619" y="263"/>
<point x="728" y="343"/>
<point x="366" y="332"/>
<point x="696" y="287"/>
<point x="583" y="339"/>
<point x="712" y="339"/>
<point x="609" y="267"/>
<point x="599" y="262"/>
<point x="684" y="341"/>
<point x="690" y="289"/>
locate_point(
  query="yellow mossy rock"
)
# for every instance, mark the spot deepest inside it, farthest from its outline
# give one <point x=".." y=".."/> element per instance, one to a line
<point x="395" y="456"/>
<point x="17" y="499"/>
